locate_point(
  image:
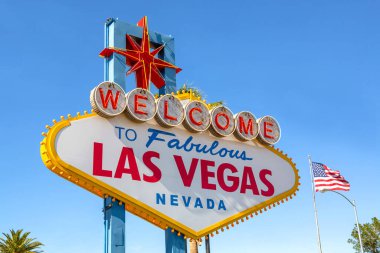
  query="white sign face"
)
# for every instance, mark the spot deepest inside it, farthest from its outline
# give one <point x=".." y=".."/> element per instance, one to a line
<point x="193" y="182"/>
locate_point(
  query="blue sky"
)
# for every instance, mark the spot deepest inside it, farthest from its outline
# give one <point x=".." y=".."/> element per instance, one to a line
<point x="314" y="65"/>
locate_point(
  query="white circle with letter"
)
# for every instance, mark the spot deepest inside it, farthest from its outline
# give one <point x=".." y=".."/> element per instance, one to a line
<point x="108" y="99"/>
<point x="141" y="105"/>
<point x="198" y="117"/>
<point x="246" y="126"/>
<point x="222" y="121"/>
<point x="269" y="130"/>
<point x="170" y="112"/>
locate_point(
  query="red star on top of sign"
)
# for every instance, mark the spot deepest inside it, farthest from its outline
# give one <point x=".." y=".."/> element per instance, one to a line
<point x="141" y="60"/>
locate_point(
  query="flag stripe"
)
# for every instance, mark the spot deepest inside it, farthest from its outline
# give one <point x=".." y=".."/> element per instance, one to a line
<point x="333" y="189"/>
<point x="330" y="179"/>
<point x="332" y="182"/>
<point x="342" y="185"/>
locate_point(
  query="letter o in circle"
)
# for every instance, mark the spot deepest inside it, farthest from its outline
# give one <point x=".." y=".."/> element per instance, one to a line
<point x="222" y="121"/>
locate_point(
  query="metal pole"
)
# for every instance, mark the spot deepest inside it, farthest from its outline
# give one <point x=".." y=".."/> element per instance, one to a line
<point x="358" y="227"/>
<point x="107" y="24"/>
<point x="106" y="224"/>
<point x="114" y="221"/>
<point x="315" y="205"/>
<point x="174" y="243"/>
<point x="207" y="244"/>
<point x="356" y="218"/>
<point x="106" y="45"/>
<point x="114" y="213"/>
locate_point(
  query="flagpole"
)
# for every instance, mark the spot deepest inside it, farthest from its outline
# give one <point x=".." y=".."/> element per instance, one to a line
<point x="356" y="217"/>
<point x="315" y="205"/>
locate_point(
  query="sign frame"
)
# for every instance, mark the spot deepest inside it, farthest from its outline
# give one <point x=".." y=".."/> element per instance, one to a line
<point x="57" y="165"/>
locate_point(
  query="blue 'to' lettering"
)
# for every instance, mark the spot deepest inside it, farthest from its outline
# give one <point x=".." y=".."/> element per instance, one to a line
<point x="130" y="134"/>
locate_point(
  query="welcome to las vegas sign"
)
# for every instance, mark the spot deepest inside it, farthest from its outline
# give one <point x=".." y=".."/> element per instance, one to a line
<point x="172" y="160"/>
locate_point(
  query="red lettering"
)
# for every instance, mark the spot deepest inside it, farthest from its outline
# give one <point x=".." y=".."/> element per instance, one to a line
<point x="197" y="123"/>
<point x="127" y="153"/>
<point x="243" y="127"/>
<point x="270" y="191"/>
<point x="248" y="181"/>
<point x="109" y="97"/>
<point x="137" y="104"/>
<point x="187" y="177"/>
<point x="147" y="159"/>
<point x="166" y="115"/>
<point x="97" y="165"/>
<point x="220" y="175"/>
<point x="217" y="121"/>
<point x="267" y="130"/>
<point x="206" y="174"/>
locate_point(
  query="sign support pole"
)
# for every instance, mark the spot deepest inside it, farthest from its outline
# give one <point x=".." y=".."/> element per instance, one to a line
<point x="174" y="243"/>
<point x="114" y="214"/>
<point x="207" y="244"/>
<point x="114" y="226"/>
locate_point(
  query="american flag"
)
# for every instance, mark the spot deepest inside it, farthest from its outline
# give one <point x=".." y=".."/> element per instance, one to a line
<point x="328" y="179"/>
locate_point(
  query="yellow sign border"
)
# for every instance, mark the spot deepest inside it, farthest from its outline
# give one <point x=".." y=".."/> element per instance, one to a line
<point x="52" y="161"/>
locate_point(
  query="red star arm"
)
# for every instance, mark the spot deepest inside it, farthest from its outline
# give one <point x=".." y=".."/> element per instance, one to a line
<point x="156" y="77"/>
<point x="157" y="50"/>
<point x="164" y="64"/>
<point x="133" y="43"/>
<point x="143" y="76"/>
<point x="145" y="44"/>
<point x="107" y="52"/>
<point x="135" y="67"/>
